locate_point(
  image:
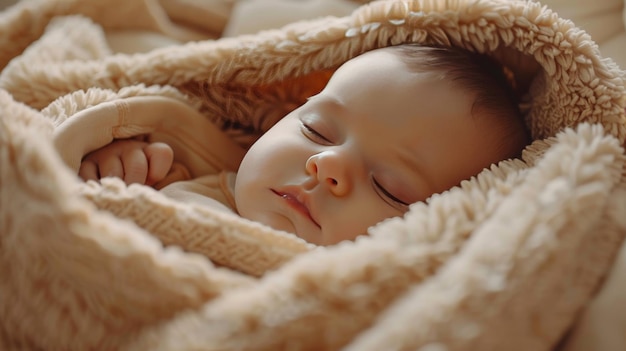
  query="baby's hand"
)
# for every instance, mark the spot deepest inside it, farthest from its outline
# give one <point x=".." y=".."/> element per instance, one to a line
<point x="131" y="160"/>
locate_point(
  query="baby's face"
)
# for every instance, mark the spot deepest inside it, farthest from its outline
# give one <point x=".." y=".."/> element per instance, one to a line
<point x="376" y="139"/>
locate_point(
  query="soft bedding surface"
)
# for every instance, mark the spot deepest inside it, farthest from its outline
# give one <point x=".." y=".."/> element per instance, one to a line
<point x="507" y="260"/>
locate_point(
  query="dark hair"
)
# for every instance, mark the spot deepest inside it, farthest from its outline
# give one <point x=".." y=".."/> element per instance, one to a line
<point x="480" y="75"/>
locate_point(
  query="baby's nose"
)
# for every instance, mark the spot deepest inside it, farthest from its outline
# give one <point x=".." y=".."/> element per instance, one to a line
<point x="330" y="170"/>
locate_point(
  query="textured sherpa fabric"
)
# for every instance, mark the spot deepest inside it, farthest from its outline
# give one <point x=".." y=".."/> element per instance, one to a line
<point x="505" y="261"/>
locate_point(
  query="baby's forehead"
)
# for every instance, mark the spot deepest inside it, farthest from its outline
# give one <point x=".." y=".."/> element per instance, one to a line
<point x="389" y="65"/>
<point x="374" y="60"/>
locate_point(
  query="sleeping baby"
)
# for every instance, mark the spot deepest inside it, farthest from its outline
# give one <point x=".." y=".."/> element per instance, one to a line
<point x="392" y="127"/>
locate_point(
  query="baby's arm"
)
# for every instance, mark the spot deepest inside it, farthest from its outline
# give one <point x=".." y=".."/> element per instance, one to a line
<point x="131" y="160"/>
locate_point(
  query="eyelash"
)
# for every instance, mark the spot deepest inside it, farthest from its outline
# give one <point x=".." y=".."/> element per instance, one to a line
<point x="314" y="134"/>
<point x="387" y="195"/>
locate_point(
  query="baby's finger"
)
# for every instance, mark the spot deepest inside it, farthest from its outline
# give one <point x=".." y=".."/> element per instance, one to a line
<point x="160" y="158"/>
<point x="135" y="166"/>
<point x="88" y="171"/>
<point x="110" y="167"/>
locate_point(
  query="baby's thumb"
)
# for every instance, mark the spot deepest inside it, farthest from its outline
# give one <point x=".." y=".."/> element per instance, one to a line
<point x="160" y="158"/>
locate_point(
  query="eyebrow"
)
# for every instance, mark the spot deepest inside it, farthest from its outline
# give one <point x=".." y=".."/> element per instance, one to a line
<point x="332" y="104"/>
<point x="327" y="100"/>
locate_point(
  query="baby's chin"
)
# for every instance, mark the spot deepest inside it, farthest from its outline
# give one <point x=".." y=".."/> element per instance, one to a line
<point x="286" y="225"/>
<point x="281" y="223"/>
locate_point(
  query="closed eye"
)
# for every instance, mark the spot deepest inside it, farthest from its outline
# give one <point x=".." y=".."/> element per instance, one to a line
<point x="387" y="196"/>
<point x="314" y="135"/>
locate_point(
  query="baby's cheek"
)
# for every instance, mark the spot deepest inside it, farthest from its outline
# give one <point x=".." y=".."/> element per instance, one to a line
<point x="275" y="221"/>
<point x="358" y="217"/>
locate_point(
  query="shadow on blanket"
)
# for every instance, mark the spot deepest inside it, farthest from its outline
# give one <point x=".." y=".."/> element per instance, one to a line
<point x="505" y="261"/>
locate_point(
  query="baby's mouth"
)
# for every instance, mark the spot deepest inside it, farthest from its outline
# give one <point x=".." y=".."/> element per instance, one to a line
<point x="297" y="201"/>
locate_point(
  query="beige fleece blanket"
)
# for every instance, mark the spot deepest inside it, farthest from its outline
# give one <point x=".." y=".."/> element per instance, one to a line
<point x="506" y="261"/>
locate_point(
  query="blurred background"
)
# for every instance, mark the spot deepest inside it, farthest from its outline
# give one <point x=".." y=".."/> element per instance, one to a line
<point x="604" y="20"/>
<point x="5" y="3"/>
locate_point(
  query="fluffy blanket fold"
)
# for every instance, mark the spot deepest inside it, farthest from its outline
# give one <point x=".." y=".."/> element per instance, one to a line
<point x="507" y="260"/>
